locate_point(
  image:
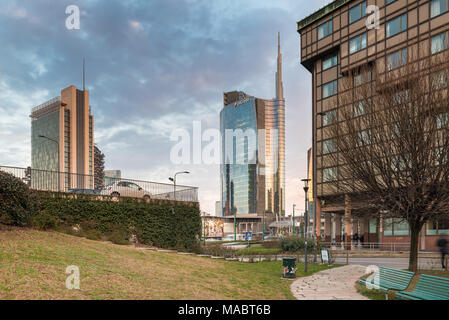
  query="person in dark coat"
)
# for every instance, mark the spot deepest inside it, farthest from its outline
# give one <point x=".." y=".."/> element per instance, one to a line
<point x="442" y="244"/>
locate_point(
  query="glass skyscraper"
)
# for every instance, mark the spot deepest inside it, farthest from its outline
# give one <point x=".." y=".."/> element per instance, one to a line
<point x="253" y="152"/>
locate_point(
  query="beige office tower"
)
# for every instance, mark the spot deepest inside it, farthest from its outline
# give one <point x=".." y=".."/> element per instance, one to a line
<point x="62" y="133"/>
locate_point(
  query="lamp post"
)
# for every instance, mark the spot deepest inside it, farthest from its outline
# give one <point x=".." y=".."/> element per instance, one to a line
<point x="204" y="230"/>
<point x="306" y="218"/>
<point x="294" y="225"/>
<point x="174" y="181"/>
<point x="57" y="144"/>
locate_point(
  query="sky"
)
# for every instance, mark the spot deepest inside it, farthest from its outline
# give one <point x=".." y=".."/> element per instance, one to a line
<point x="153" y="67"/>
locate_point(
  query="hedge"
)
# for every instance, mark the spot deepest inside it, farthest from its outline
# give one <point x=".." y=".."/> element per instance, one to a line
<point x="171" y="225"/>
<point x="17" y="201"/>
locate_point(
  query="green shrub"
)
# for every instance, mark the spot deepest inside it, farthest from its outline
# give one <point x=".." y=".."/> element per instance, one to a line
<point x="292" y="244"/>
<point x="17" y="202"/>
<point x="44" y="221"/>
<point x="158" y="224"/>
<point x="258" y="251"/>
<point x="217" y="250"/>
<point x="272" y="244"/>
<point x="119" y="237"/>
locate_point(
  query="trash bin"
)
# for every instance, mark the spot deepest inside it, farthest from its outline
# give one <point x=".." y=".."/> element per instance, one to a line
<point x="288" y="267"/>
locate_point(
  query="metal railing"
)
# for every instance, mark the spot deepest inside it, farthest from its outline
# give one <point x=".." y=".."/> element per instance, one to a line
<point x="44" y="180"/>
<point x="370" y="246"/>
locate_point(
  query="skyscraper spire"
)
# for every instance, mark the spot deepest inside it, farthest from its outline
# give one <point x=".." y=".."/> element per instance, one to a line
<point x="84" y="74"/>
<point x="279" y="84"/>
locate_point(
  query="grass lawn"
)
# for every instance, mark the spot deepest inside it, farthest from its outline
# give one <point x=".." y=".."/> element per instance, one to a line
<point x="370" y="294"/>
<point x="438" y="273"/>
<point x="33" y="264"/>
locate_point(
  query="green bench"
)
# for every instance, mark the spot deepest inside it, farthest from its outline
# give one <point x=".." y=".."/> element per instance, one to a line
<point x="388" y="279"/>
<point x="427" y="288"/>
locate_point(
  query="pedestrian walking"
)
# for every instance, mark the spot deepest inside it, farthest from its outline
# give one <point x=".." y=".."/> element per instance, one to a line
<point x="442" y="244"/>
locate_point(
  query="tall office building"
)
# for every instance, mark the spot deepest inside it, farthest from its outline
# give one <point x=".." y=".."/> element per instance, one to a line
<point x="338" y="42"/>
<point x="253" y="152"/>
<point x="62" y="140"/>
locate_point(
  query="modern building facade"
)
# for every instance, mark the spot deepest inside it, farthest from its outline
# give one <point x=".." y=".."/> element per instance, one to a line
<point x="62" y="135"/>
<point x="336" y="41"/>
<point x="111" y="176"/>
<point x="253" y="153"/>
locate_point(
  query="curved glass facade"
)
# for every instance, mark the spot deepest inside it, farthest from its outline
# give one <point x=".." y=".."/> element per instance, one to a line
<point x="238" y="125"/>
<point x="253" y="156"/>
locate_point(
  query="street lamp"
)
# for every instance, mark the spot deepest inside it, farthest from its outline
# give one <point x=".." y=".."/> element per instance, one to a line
<point x="174" y="181"/>
<point x="57" y="144"/>
<point x="294" y="227"/>
<point x="306" y="218"/>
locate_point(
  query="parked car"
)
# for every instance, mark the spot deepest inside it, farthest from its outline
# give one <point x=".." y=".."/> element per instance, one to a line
<point x="125" y="189"/>
<point x="84" y="191"/>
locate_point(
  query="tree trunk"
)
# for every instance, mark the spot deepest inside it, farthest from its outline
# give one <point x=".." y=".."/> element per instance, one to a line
<point x="414" y="248"/>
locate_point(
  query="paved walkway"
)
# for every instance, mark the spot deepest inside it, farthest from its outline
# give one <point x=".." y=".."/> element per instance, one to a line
<point x="332" y="284"/>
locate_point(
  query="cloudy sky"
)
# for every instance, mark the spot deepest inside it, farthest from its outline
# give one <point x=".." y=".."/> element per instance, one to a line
<point x="153" y="66"/>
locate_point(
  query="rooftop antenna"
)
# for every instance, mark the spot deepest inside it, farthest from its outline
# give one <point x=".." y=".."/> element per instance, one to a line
<point x="84" y="74"/>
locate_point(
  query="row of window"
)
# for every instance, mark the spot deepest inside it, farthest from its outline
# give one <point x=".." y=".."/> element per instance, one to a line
<point x="398" y="163"/>
<point x="396" y="59"/>
<point x="393" y="27"/>
<point x="330" y="146"/>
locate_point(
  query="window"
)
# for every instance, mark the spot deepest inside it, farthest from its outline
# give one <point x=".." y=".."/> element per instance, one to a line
<point x="330" y="174"/>
<point x="443" y="227"/>
<point x="390" y="1"/>
<point x="330" y="89"/>
<point x="361" y="78"/>
<point x="440" y="227"/>
<point x="388" y="227"/>
<point x="330" y="117"/>
<point x="359" y="109"/>
<point x="440" y="42"/>
<point x="329" y="146"/>
<point x="330" y="62"/>
<point x="364" y="138"/>
<point x="441" y="156"/>
<point x="358" y="43"/>
<point x="397" y="59"/>
<point x="443" y="120"/>
<point x="373" y="226"/>
<point x="397" y="25"/>
<point x="400" y="227"/>
<point x="438" y="7"/>
<point x="325" y="29"/>
<point x="400" y="163"/>
<point x="439" y="80"/>
<point x="358" y="12"/>
<point x="133" y="185"/>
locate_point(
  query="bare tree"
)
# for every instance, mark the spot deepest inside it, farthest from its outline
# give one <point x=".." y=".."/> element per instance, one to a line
<point x="391" y="141"/>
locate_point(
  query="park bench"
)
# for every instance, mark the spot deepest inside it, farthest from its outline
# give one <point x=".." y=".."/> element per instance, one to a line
<point x="428" y="288"/>
<point x="389" y="279"/>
